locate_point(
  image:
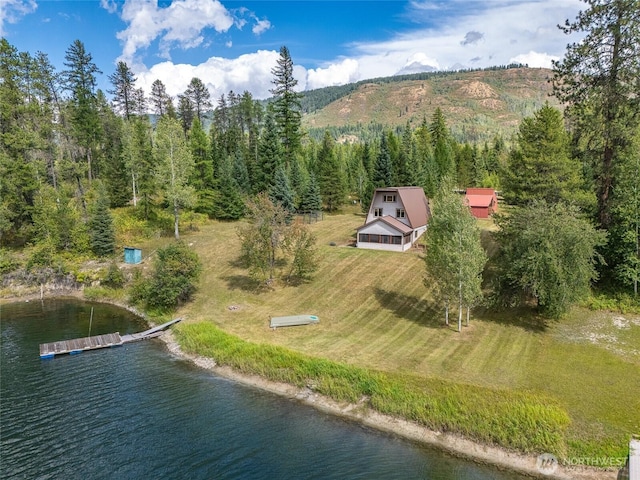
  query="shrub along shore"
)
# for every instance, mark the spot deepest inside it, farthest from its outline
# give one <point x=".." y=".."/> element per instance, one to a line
<point x="507" y="428"/>
<point x="515" y="420"/>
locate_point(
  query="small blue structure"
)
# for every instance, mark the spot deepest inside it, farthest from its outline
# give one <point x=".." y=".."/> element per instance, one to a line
<point x="132" y="255"/>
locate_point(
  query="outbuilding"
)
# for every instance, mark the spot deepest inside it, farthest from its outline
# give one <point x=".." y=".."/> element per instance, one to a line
<point x="132" y="255"/>
<point x="482" y="201"/>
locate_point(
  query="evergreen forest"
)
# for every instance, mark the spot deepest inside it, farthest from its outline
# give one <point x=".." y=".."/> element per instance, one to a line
<point x="71" y="154"/>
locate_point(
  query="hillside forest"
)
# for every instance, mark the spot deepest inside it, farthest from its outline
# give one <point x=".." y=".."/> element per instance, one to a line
<point x="71" y="155"/>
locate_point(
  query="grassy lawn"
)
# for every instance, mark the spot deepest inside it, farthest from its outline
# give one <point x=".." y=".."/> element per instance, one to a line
<point x="375" y="312"/>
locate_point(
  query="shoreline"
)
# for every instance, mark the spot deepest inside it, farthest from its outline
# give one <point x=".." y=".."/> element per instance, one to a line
<point x="452" y="444"/>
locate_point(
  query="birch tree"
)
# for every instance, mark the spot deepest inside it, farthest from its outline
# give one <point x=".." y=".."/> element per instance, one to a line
<point x="174" y="167"/>
<point x="455" y="257"/>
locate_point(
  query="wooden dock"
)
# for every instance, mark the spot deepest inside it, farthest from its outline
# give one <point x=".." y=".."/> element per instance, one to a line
<point x="79" y="345"/>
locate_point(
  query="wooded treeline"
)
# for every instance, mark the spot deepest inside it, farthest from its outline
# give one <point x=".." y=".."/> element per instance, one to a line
<point x="66" y="148"/>
<point x="60" y="134"/>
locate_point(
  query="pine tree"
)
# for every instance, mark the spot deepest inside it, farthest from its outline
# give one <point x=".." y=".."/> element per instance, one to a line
<point x="80" y="80"/>
<point x="280" y="192"/>
<point x="402" y="174"/>
<point x="161" y="101"/>
<point x="297" y="177"/>
<point x="539" y="164"/>
<point x="199" y="97"/>
<point x="241" y="173"/>
<point x="101" y="229"/>
<point x="203" y="167"/>
<point x="124" y="96"/>
<point x="18" y="177"/>
<point x="330" y="176"/>
<point x="598" y="81"/>
<point x="311" y="200"/>
<point x="186" y="112"/>
<point x="229" y="203"/>
<point x="382" y="174"/>
<point x="269" y="157"/>
<point x="442" y="151"/>
<point x="287" y="107"/>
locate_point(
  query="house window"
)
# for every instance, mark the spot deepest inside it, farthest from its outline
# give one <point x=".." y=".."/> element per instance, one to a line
<point x="400" y="212"/>
<point x="389" y="198"/>
<point x="377" y="212"/>
<point x="388" y="239"/>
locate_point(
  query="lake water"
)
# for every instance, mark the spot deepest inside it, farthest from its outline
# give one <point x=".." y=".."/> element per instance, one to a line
<point x="136" y="412"/>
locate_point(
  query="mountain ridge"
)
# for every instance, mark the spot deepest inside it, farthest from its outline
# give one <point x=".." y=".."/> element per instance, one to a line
<point x="477" y="104"/>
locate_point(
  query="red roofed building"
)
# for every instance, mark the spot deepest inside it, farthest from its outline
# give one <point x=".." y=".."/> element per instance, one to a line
<point x="396" y="219"/>
<point x="482" y="201"/>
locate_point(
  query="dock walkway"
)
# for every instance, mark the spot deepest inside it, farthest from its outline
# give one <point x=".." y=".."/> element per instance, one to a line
<point x="79" y="345"/>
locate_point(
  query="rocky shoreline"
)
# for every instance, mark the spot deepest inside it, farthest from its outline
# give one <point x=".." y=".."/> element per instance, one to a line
<point x="451" y="443"/>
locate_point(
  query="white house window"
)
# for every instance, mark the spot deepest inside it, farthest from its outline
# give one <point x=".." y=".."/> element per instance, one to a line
<point x="400" y="212"/>
<point x="377" y="212"/>
<point x="389" y="198"/>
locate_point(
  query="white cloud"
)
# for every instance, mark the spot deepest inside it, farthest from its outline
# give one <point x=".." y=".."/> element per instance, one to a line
<point x="510" y="28"/>
<point x="261" y="26"/>
<point x="110" y="6"/>
<point x="12" y="10"/>
<point x="251" y="72"/>
<point x="340" y="73"/>
<point x="180" y="24"/>
<point x="468" y="35"/>
<point x="535" y="59"/>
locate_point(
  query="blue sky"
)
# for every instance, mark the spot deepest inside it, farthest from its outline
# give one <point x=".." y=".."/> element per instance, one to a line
<point x="233" y="45"/>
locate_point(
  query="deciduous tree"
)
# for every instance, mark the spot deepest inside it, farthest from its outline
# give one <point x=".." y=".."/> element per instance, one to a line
<point x="454" y="258"/>
<point x="174" y="167"/>
<point x="548" y="253"/>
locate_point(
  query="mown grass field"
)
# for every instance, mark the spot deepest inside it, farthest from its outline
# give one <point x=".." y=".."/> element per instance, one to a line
<point x="375" y="312"/>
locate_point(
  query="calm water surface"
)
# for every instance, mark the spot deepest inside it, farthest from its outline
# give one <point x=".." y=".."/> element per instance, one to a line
<point x="136" y="412"/>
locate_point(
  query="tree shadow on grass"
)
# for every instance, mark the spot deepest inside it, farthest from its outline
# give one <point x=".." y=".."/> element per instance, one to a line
<point x="430" y="314"/>
<point x="417" y="310"/>
<point x="242" y="281"/>
<point x="523" y="316"/>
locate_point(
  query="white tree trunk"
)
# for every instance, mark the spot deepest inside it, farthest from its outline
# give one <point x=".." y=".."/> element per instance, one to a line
<point x="468" y="315"/>
<point x="460" y="304"/>
<point x="133" y="182"/>
<point x="446" y="313"/>
<point x="176" y="216"/>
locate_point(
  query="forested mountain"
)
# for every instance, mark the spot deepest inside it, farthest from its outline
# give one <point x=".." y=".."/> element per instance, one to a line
<point x="477" y="104"/>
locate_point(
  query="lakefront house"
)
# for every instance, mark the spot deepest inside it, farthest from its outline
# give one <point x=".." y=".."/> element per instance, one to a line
<point x="397" y="217"/>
